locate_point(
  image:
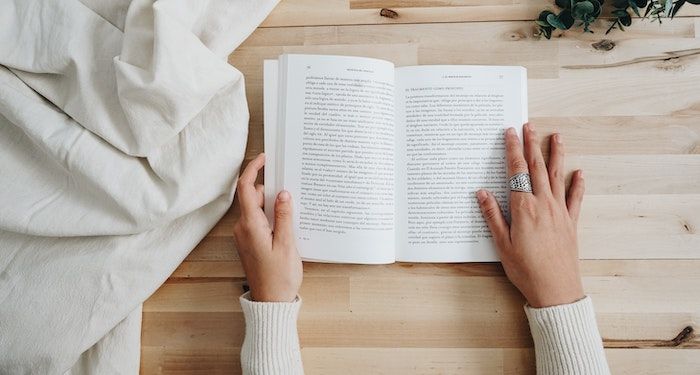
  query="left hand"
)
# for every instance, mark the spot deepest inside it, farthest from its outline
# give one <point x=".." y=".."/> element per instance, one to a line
<point x="270" y="259"/>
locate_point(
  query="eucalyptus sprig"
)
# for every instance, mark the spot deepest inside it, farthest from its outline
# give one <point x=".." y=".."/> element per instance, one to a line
<point x="585" y="12"/>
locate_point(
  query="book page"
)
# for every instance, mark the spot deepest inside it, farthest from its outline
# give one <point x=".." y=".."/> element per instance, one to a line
<point x="450" y="127"/>
<point x="335" y="154"/>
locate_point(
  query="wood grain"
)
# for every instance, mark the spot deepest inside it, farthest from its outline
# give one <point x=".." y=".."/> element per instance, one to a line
<point x="630" y="118"/>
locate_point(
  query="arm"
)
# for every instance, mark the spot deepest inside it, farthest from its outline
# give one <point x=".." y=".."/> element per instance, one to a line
<point x="273" y="269"/>
<point x="539" y="253"/>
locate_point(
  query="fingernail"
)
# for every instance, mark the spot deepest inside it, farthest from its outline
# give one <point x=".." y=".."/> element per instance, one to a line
<point x="530" y="127"/>
<point x="557" y="138"/>
<point x="284" y="196"/>
<point x="580" y="173"/>
<point x="510" y="131"/>
<point x="481" y="196"/>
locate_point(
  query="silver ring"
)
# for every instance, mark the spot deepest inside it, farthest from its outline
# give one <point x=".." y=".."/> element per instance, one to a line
<point x="520" y="182"/>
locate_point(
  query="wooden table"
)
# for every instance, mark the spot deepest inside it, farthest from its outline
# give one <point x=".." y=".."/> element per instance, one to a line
<point x="630" y="118"/>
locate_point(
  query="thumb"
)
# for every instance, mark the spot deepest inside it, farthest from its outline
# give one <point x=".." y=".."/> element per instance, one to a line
<point x="494" y="218"/>
<point x="283" y="231"/>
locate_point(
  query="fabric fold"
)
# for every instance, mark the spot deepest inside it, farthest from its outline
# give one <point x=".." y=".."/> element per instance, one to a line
<point x="123" y="129"/>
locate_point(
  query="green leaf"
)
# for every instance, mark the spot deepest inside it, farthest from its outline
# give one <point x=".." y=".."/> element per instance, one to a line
<point x="620" y="4"/>
<point x="543" y="15"/>
<point x="677" y="6"/>
<point x="597" y="6"/>
<point x="547" y="33"/>
<point x="582" y="9"/>
<point x="626" y="20"/>
<point x="556" y="22"/>
<point x="564" y="4"/>
<point x="566" y="18"/>
<point x="634" y="7"/>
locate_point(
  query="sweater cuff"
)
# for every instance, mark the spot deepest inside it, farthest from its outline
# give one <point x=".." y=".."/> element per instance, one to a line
<point x="567" y="340"/>
<point x="271" y="344"/>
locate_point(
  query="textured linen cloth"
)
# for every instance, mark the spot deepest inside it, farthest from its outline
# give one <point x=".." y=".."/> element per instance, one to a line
<point x="567" y="341"/>
<point x="122" y="130"/>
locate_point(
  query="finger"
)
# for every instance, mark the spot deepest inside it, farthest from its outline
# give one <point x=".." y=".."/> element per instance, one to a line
<point x="246" y="185"/>
<point x="515" y="161"/>
<point x="284" y="229"/>
<point x="535" y="161"/>
<point x="556" y="167"/>
<point x="575" y="195"/>
<point x="494" y="219"/>
<point x="260" y="192"/>
<point x="514" y="153"/>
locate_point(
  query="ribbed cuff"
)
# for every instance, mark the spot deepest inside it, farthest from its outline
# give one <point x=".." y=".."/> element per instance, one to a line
<point x="567" y="340"/>
<point x="271" y="344"/>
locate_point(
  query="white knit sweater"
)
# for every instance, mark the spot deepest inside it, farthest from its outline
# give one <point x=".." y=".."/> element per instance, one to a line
<point x="566" y="339"/>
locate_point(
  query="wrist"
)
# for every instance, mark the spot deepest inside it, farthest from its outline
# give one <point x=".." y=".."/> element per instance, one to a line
<point x="556" y="299"/>
<point x="263" y="295"/>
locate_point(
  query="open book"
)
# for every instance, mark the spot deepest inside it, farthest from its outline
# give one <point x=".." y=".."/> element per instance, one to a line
<point x="383" y="162"/>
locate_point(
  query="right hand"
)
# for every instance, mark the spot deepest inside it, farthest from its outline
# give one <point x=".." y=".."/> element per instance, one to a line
<point x="270" y="259"/>
<point x="539" y="250"/>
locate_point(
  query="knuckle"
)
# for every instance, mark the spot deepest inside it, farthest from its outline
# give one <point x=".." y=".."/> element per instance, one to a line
<point x="536" y="163"/>
<point x="491" y="212"/>
<point x="240" y="183"/>
<point x="517" y="164"/>
<point x="281" y="212"/>
<point x="237" y="230"/>
<point x="555" y="173"/>
<point x="531" y="136"/>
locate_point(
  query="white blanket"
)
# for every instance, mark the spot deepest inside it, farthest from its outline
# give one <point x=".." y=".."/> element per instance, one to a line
<point x="122" y="130"/>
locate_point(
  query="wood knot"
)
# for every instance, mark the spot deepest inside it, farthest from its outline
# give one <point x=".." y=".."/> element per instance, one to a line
<point x="386" y="12"/>
<point x="515" y="36"/>
<point x="687" y="227"/>
<point x="603" y="45"/>
<point x="685" y="336"/>
<point x="671" y="64"/>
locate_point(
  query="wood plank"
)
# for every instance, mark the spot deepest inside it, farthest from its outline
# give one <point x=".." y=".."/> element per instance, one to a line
<point x="164" y="360"/>
<point x="192" y="330"/>
<point x="221" y="295"/>
<point x="653" y="361"/>
<point x="679" y="31"/>
<point x="620" y="135"/>
<point x="686" y="269"/>
<point x="358" y="4"/>
<point x="402" y="360"/>
<point x="339" y="12"/>
<point x="319" y="360"/>
<point x="200" y="330"/>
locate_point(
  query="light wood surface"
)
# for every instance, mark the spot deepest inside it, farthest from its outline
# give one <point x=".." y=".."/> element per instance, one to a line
<point x="630" y="118"/>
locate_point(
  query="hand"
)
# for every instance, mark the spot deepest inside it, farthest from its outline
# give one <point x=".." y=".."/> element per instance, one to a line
<point x="538" y="250"/>
<point x="270" y="259"/>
